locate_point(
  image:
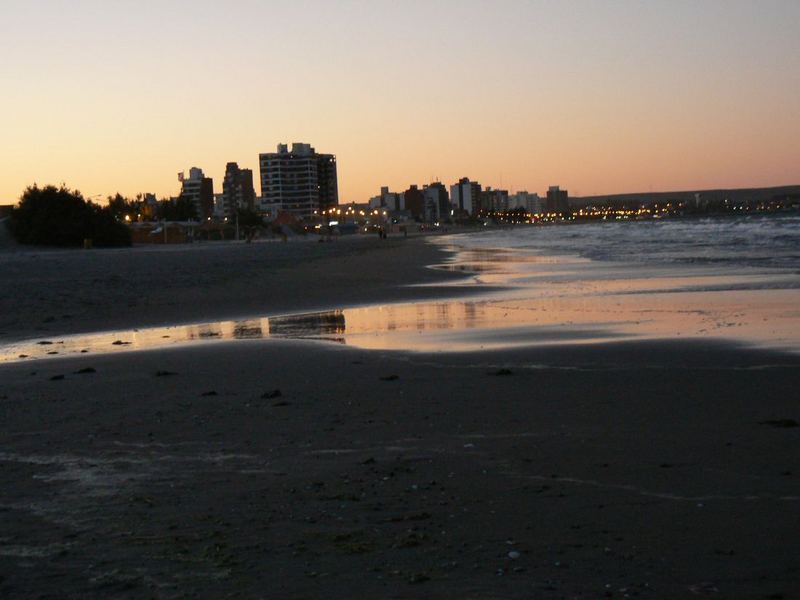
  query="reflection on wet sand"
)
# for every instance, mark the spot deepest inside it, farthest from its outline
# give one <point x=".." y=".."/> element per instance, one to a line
<point x="321" y="324"/>
<point x="545" y="300"/>
<point x="328" y="325"/>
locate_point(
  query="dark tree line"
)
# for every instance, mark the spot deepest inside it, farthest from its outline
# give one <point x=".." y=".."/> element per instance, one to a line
<point x="138" y="209"/>
<point x="58" y="216"/>
<point x="51" y="216"/>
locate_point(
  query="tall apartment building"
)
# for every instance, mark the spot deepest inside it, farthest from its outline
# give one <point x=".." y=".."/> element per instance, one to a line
<point x="465" y="196"/>
<point x="300" y="181"/>
<point x="557" y="200"/>
<point x="237" y="190"/>
<point x="494" y="200"/>
<point x="200" y="190"/>
<point x="414" y="202"/>
<point x="437" y="202"/>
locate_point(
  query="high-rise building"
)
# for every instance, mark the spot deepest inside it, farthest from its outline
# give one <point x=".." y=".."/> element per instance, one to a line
<point x="237" y="190"/>
<point x="300" y="181"/>
<point x="414" y="202"/>
<point x="465" y="196"/>
<point x="437" y="202"/>
<point x="200" y="190"/>
<point x="494" y="200"/>
<point x="557" y="200"/>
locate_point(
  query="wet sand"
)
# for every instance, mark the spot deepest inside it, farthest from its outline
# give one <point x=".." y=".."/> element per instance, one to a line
<point x="286" y="469"/>
<point x="52" y="292"/>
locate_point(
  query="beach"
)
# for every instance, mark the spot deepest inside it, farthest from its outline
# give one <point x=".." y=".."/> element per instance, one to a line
<point x="71" y="291"/>
<point x="290" y="468"/>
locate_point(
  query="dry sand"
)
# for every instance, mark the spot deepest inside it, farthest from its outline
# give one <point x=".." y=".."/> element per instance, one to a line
<point x="657" y="470"/>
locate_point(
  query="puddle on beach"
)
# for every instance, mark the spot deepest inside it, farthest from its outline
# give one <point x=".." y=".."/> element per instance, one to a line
<point x="546" y="300"/>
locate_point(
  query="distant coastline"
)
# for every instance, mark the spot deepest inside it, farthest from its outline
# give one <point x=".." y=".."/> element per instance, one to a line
<point x="713" y="195"/>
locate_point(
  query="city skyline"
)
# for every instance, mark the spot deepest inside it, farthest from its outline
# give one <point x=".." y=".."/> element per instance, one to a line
<point x="600" y="99"/>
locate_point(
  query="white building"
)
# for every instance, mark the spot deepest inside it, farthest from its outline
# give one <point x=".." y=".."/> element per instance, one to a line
<point x="531" y="203"/>
<point x="465" y="195"/>
<point x="199" y="189"/>
<point x="388" y="200"/>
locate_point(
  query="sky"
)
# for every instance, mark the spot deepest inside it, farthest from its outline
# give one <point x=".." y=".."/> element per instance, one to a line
<point x="598" y="97"/>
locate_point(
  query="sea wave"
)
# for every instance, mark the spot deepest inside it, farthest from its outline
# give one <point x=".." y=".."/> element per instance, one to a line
<point x="771" y="242"/>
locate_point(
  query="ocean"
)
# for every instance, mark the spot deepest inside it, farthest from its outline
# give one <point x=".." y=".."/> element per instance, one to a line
<point x="761" y="241"/>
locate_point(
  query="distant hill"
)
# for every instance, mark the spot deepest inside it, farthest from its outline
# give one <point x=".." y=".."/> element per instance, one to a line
<point x="734" y="196"/>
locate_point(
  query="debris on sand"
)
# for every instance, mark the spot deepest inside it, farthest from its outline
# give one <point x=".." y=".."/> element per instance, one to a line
<point x="780" y="423"/>
<point x="501" y="372"/>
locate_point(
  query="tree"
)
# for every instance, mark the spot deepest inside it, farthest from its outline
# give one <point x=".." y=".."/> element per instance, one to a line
<point x="52" y="216"/>
<point x="249" y="222"/>
<point x="122" y="207"/>
<point x="178" y="209"/>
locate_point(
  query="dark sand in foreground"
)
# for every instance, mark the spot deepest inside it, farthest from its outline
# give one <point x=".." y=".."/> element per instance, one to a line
<point x="653" y="469"/>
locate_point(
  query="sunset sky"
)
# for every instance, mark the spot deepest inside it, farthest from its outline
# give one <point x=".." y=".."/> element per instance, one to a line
<point x="598" y="97"/>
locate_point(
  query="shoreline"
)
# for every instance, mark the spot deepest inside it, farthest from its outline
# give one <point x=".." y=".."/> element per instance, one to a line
<point x="66" y="293"/>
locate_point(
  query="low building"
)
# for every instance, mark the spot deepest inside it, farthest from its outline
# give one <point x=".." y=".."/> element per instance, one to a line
<point x="388" y="200"/>
<point x="165" y="232"/>
<point x="530" y="203"/>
